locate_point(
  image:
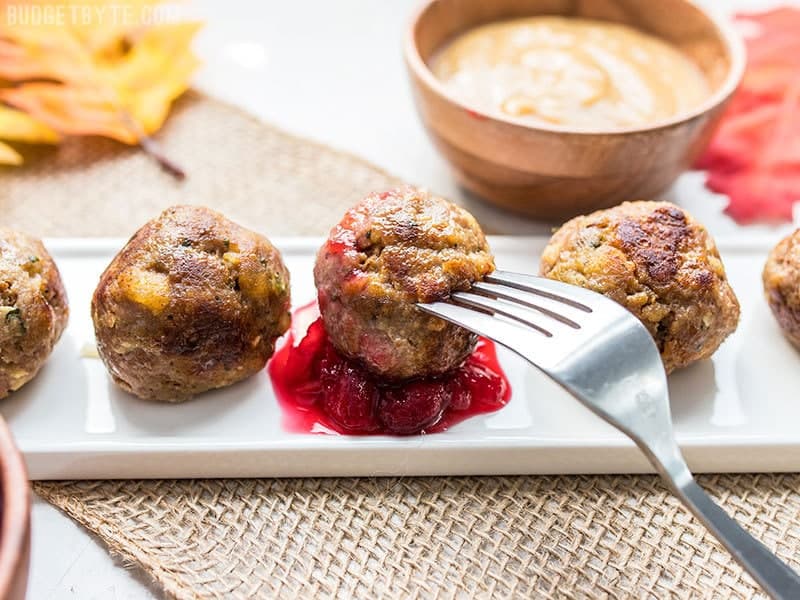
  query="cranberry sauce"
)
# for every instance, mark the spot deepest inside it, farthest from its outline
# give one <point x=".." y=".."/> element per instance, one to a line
<point x="320" y="391"/>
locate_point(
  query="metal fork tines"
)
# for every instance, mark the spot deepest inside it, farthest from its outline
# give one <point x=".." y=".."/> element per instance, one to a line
<point x="605" y="358"/>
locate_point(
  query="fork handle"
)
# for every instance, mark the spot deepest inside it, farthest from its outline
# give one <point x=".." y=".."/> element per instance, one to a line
<point x="774" y="576"/>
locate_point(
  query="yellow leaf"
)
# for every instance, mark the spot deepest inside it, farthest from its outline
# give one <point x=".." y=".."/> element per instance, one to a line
<point x="150" y="107"/>
<point x="9" y="156"/>
<point x="153" y="53"/>
<point x="16" y="125"/>
<point x="155" y="73"/>
<point x="107" y="24"/>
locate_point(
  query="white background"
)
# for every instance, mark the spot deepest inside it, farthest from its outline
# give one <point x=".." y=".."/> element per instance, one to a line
<point x="331" y="70"/>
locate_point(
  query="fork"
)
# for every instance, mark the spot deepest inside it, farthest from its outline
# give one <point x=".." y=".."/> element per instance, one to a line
<point x="606" y="358"/>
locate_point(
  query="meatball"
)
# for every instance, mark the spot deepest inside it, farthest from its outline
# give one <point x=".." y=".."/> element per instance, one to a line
<point x="655" y="260"/>
<point x="389" y="252"/>
<point x="782" y="285"/>
<point x="193" y="302"/>
<point x="33" y="308"/>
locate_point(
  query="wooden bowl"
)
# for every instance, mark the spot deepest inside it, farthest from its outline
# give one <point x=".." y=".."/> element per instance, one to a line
<point x="15" y="532"/>
<point x="552" y="172"/>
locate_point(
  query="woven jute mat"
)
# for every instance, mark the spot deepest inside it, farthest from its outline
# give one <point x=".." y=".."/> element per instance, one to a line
<point x="257" y="175"/>
<point x="560" y="537"/>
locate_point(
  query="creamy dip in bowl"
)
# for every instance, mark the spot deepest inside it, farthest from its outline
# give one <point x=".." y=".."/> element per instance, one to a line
<point x="589" y="74"/>
<point x="553" y="108"/>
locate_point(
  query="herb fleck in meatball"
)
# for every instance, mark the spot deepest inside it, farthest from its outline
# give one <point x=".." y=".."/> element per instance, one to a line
<point x="782" y="285"/>
<point x="193" y="302"/>
<point x="389" y="252"/>
<point x="659" y="263"/>
<point x="33" y="309"/>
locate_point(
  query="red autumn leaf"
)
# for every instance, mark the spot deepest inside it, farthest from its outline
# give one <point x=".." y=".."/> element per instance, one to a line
<point x="754" y="157"/>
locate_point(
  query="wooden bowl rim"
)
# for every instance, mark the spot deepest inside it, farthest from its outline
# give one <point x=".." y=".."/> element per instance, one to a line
<point x="725" y="31"/>
<point x="16" y="509"/>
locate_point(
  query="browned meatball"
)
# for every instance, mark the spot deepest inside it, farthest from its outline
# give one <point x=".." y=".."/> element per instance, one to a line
<point x="389" y="252"/>
<point x="782" y="285"/>
<point x="659" y="263"/>
<point x="193" y="302"/>
<point x="33" y="308"/>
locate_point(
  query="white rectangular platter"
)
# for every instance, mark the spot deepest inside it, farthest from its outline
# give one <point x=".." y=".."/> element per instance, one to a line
<point x="737" y="412"/>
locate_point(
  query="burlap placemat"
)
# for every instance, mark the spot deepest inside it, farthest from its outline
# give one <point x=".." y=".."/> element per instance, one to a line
<point x="255" y="174"/>
<point x="565" y="537"/>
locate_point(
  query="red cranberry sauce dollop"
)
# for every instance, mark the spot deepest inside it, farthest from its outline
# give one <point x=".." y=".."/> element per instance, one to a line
<point x="320" y="391"/>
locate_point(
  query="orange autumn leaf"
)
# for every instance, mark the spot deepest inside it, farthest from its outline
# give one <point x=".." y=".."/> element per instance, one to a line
<point x="120" y="100"/>
<point x="64" y="49"/>
<point x="47" y="53"/>
<point x="72" y="110"/>
<point x="110" y="77"/>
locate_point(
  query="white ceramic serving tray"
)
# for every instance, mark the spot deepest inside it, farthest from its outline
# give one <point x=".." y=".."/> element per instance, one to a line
<point x="737" y="412"/>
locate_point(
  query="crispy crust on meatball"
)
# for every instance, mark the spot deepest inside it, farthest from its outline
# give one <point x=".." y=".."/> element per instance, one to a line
<point x="389" y="252"/>
<point x="192" y="303"/>
<point x="33" y="308"/>
<point x="781" y="278"/>
<point x="655" y="260"/>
